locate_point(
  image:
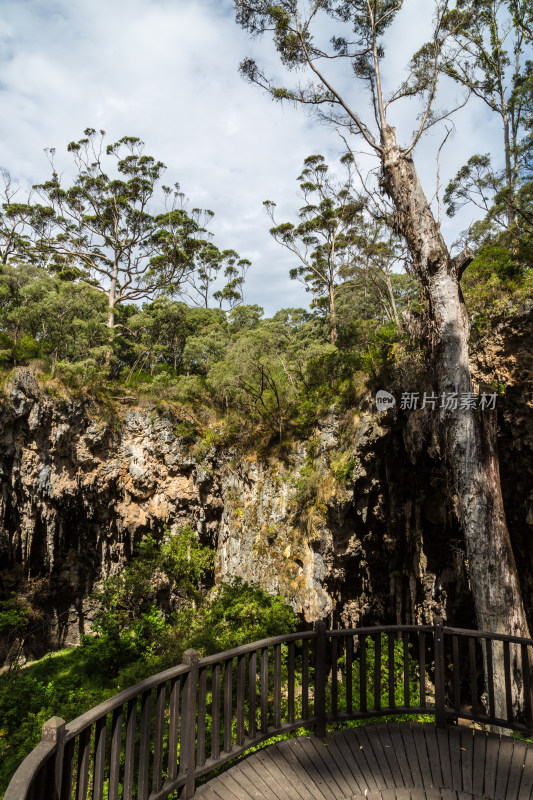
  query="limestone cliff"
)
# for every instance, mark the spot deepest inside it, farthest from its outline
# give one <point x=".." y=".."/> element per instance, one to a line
<point x="351" y="523"/>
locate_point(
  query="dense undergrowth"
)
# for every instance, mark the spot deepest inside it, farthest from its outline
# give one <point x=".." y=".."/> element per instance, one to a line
<point x="149" y="614"/>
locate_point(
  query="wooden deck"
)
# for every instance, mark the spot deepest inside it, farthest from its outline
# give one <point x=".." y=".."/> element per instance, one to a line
<point x="382" y="762"/>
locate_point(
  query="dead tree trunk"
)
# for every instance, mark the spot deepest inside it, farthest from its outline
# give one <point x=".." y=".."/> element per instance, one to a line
<point x="468" y="436"/>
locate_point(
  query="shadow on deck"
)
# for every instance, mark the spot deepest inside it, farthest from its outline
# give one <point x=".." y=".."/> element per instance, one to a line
<point x="382" y="762"/>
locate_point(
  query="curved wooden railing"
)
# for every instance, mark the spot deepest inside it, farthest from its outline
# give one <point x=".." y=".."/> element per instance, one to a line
<point x="170" y="730"/>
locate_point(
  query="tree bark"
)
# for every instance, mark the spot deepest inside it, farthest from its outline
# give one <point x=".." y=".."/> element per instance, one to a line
<point x="332" y="314"/>
<point x="469" y="434"/>
<point x="112" y="299"/>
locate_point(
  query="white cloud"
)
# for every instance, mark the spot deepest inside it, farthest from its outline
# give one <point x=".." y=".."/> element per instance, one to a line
<point x="166" y="71"/>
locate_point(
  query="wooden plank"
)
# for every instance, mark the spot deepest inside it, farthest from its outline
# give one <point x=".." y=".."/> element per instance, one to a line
<point x="490" y="676"/>
<point x="527" y="685"/>
<point x="228" y="704"/>
<point x="290" y="682"/>
<point x="373" y="765"/>
<point x="362" y="673"/>
<point x="478" y="769"/>
<point x="349" y="669"/>
<point x="526" y="783"/>
<point x="202" y="716"/>
<point x="430" y="734"/>
<point x="422" y="753"/>
<point x="264" y="689"/>
<point x="517" y="763"/>
<point x="309" y="761"/>
<point x="232" y="788"/>
<point x="343" y="761"/>
<point x="410" y="749"/>
<point x="253" y="771"/>
<point x="305" y="679"/>
<point x="422" y="667"/>
<point x="467" y="757"/>
<point x="454" y="739"/>
<point x="390" y="667"/>
<point x="293" y="763"/>
<point x="403" y="794"/>
<point x="390" y="754"/>
<point x="157" y="767"/>
<point x="491" y="763"/>
<point x="116" y="746"/>
<point x="330" y="765"/>
<point x="377" y="671"/>
<point x="334" y="677"/>
<point x="505" y="755"/>
<point x="406" y="683"/>
<point x="211" y="791"/>
<point x="473" y="675"/>
<point x="84" y="752"/>
<point x="241" y="679"/>
<point x="389" y="794"/>
<point x="359" y="778"/>
<point x="381" y="755"/>
<point x="252" y="694"/>
<point x="443" y="747"/>
<point x="277" y="686"/>
<point x="401" y="754"/>
<point x="256" y="786"/>
<point x="287" y="781"/>
<point x="448" y="794"/>
<point x="359" y="759"/>
<point x="173" y="729"/>
<point x="418" y="794"/>
<point x="507" y="676"/>
<point x="144" y="745"/>
<point x="99" y="759"/>
<point x="129" y="758"/>
<point x="215" y="711"/>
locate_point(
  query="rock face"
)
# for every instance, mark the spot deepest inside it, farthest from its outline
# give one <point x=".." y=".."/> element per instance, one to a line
<point x="351" y="525"/>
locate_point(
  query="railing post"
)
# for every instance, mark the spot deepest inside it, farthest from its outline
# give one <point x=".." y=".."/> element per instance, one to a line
<point x="188" y="731"/>
<point x="54" y="731"/>
<point x="440" y="697"/>
<point x="320" y="679"/>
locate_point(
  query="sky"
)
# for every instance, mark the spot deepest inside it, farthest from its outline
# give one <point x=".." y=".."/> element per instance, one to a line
<point x="166" y="71"/>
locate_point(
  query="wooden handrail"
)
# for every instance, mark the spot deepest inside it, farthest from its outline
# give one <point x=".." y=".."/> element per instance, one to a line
<point x="172" y="728"/>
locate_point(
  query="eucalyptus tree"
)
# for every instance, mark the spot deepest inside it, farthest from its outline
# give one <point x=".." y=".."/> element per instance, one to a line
<point x="359" y="45"/>
<point x="210" y="265"/>
<point x="372" y="271"/>
<point x="16" y="241"/>
<point x="102" y="230"/>
<point x="329" y="234"/>
<point x="486" y="51"/>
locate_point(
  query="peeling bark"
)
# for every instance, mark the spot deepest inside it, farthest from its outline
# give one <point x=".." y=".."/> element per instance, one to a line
<point x="468" y="435"/>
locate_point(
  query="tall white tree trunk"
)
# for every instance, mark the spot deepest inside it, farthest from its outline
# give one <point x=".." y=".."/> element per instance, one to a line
<point x="112" y="300"/>
<point x="468" y="435"/>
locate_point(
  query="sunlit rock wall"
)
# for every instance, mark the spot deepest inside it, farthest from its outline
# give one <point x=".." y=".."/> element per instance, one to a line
<point x="351" y="524"/>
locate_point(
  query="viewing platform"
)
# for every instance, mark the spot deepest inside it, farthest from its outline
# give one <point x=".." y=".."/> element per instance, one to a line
<point x="188" y="732"/>
<point x="382" y="762"/>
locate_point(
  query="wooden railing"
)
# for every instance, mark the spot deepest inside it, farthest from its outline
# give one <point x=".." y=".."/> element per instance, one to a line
<point x="165" y="733"/>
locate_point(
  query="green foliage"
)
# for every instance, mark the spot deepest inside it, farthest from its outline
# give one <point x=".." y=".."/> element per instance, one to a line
<point x="495" y="284"/>
<point x="15" y="614"/>
<point x="240" y="612"/>
<point x="149" y="615"/>
<point x="135" y="605"/>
